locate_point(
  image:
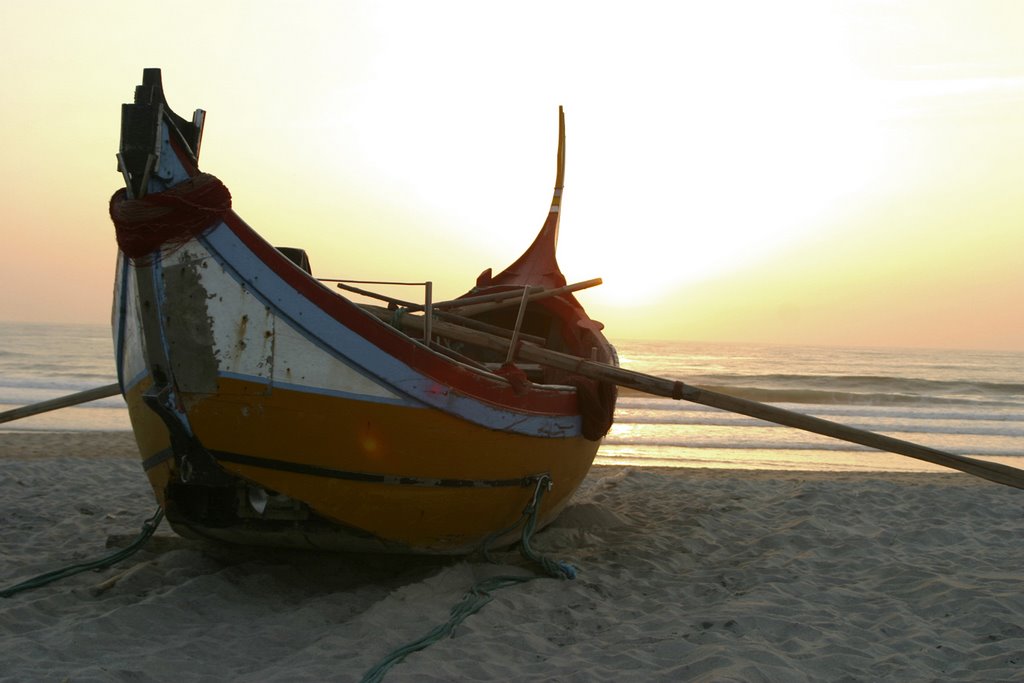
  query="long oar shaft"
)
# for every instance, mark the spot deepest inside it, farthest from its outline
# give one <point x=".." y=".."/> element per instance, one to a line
<point x="489" y="302"/>
<point x="61" y="402"/>
<point x="992" y="471"/>
<point x="996" y="472"/>
<point x="659" y="386"/>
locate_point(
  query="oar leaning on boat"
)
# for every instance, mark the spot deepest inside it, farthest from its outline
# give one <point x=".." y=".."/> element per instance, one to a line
<point x="74" y="399"/>
<point x="528" y="350"/>
<point x="660" y="386"/>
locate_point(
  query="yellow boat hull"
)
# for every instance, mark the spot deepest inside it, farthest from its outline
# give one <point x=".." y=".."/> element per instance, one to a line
<point x="390" y="478"/>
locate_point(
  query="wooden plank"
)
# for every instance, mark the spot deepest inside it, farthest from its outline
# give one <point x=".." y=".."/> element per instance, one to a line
<point x="510" y="295"/>
<point x="487" y="302"/>
<point x="374" y="295"/>
<point x="388" y="314"/>
<point x="486" y="327"/>
<point x="515" y="330"/>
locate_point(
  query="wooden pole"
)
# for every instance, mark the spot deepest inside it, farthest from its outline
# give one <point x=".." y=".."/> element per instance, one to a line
<point x="428" y="310"/>
<point x="386" y="314"/>
<point x="660" y="386"/>
<point x="471" y="305"/>
<point x="487" y="302"/>
<point x="515" y="331"/>
<point x="472" y="323"/>
<point x="510" y="295"/>
<point x="374" y="295"/>
<point x="61" y="402"/>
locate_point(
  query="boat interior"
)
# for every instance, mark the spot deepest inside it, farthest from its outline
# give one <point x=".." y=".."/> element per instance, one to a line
<point x="548" y="317"/>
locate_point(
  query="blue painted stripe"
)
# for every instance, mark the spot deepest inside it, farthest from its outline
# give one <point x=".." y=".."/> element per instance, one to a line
<point x="360" y="354"/>
<point x="139" y="376"/>
<point x="319" y="391"/>
<point x="310" y="320"/>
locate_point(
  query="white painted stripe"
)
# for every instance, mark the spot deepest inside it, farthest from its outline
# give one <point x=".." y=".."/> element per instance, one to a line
<point x="308" y="320"/>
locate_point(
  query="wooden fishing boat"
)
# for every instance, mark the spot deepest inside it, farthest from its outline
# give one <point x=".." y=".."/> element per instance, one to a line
<point x="269" y="407"/>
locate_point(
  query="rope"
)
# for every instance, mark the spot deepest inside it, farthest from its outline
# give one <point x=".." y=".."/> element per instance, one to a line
<point x="475" y="598"/>
<point x="482" y="591"/>
<point x="148" y="528"/>
<point x="556" y="569"/>
<point x="553" y="568"/>
<point x="167" y="220"/>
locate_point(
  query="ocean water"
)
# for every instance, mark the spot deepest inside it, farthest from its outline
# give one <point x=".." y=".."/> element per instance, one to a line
<point x="39" y="362"/>
<point x="965" y="402"/>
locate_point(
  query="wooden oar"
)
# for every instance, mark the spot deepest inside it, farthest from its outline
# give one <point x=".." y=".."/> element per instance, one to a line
<point x="493" y="298"/>
<point x="487" y="302"/>
<point x="472" y="305"/>
<point x="492" y="329"/>
<point x="61" y="402"/>
<point x="659" y="386"/>
<point x="374" y="295"/>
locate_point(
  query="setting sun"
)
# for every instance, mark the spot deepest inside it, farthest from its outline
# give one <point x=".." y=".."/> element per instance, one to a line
<point x="714" y="152"/>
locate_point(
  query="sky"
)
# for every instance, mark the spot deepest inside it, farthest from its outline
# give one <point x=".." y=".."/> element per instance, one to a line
<point x="841" y="173"/>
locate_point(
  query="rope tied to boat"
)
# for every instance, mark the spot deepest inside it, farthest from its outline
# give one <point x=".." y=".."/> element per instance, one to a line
<point x="556" y="569"/>
<point x="166" y="220"/>
<point x="482" y="591"/>
<point x="516" y="377"/>
<point x="148" y="528"/>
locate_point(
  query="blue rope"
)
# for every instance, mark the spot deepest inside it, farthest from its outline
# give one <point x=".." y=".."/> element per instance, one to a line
<point x="481" y="592"/>
<point x="147" y="531"/>
<point x="475" y="598"/>
<point x="556" y="569"/>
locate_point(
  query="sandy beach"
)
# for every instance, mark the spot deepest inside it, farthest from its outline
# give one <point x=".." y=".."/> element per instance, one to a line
<point x="695" y="575"/>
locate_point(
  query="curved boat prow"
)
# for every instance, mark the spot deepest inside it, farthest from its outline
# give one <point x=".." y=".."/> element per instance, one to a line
<point x="139" y="155"/>
<point x="538" y="265"/>
<point x="269" y="409"/>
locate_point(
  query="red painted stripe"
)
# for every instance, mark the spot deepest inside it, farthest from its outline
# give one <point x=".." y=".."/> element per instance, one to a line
<point x="393" y="342"/>
<point x="433" y="365"/>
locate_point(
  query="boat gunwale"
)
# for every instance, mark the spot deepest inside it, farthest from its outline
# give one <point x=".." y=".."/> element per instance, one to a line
<point x="468" y="381"/>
